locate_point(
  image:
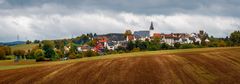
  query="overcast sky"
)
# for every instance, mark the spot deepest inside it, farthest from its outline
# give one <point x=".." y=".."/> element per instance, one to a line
<point x="54" y="19"/>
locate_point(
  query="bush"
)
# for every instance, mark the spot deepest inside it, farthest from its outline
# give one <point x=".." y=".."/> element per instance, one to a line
<point x="222" y="44"/>
<point x="187" y="46"/>
<point x="153" y="47"/>
<point x="136" y="50"/>
<point x="164" y="46"/>
<point x="41" y="58"/>
<point x="177" y="45"/>
<point x="89" y="53"/>
<point x="80" y="55"/>
<point x="72" y="56"/>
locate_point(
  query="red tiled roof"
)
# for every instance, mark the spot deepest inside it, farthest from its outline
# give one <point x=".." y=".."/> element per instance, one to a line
<point x="102" y="39"/>
<point x="157" y="35"/>
<point x="130" y="37"/>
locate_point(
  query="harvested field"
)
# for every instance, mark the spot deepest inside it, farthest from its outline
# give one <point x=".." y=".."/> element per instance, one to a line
<point x="221" y="66"/>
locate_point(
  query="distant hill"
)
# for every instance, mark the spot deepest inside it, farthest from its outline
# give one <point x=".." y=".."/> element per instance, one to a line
<point x="12" y="43"/>
<point x="23" y="47"/>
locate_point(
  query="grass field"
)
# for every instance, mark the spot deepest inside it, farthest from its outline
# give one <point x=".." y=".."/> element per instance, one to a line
<point x="23" y="47"/>
<point x="187" y="66"/>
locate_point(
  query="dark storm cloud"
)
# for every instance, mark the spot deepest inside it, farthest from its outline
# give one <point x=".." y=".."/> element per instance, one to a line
<point x="207" y="7"/>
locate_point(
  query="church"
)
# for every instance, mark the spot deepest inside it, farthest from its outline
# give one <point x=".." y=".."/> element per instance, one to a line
<point x="151" y="30"/>
<point x="145" y="34"/>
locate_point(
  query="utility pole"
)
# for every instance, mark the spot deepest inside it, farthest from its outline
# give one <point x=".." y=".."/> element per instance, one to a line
<point x="18" y="37"/>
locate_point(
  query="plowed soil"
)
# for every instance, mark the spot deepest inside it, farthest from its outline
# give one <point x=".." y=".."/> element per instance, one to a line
<point x="208" y="67"/>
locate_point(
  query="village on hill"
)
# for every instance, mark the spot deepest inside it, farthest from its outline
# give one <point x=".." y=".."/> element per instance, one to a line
<point x="113" y="41"/>
<point x="88" y="45"/>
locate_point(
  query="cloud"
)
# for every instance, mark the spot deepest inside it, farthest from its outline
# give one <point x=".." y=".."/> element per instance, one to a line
<point x="53" y="19"/>
<point x="62" y="26"/>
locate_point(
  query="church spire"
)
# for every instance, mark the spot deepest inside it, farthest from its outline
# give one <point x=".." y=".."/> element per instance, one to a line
<point x="151" y="27"/>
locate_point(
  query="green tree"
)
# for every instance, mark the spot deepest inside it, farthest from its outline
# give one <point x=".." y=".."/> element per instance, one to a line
<point x="48" y="47"/>
<point x="60" y="53"/>
<point x="130" y="45"/>
<point x="39" y="55"/>
<point x="28" y="42"/>
<point x="164" y="46"/>
<point x="177" y="45"/>
<point x="92" y="43"/>
<point x="235" y="37"/>
<point x="187" y="46"/>
<point x="59" y="44"/>
<point x="36" y="41"/>
<point x="72" y="56"/>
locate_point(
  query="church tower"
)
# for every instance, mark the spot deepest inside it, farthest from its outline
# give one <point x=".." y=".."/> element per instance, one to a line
<point x="151" y="29"/>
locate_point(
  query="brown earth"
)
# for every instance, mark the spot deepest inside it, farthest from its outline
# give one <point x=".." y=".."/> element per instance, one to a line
<point x="211" y="67"/>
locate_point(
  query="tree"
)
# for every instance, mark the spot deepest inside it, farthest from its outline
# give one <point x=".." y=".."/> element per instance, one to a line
<point x="235" y="37"/>
<point x="130" y="45"/>
<point x="143" y="45"/>
<point x="95" y="34"/>
<point x="177" y="45"/>
<point x="127" y="32"/>
<point x="60" y="53"/>
<point x="6" y="49"/>
<point x="28" y="42"/>
<point x="39" y="55"/>
<point x="2" y="54"/>
<point x="72" y="56"/>
<point x="36" y="41"/>
<point x="59" y="44"/>
<point x="48" y="47"/>
<point x="92" y="43"/>
<point x="19" y="54"/>
<point x="222" y="43"/>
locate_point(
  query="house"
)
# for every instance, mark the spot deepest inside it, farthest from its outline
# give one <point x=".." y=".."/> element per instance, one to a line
<point x="110" y="46"/>
<point x="102" y="39"/>
<point x="141" y="35"/>
<point x="130" y="38"/>
<point x="84" y="48"/>
<point x="99" y="47"/>
<point x="113" y="40"/>
<point x="169" y="39"/>
<point x="66" y="49"/>
<point x="157" y="35"/>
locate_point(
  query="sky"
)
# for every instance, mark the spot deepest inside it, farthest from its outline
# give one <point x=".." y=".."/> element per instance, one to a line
<point x="58" y="19"/>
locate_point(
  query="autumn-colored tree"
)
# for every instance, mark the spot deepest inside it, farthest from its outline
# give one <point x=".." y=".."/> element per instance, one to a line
<point x="2" y="54"/>
<point x="19" y="54"/>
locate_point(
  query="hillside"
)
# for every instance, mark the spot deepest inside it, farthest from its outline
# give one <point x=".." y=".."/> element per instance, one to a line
<point x="190" y="66"/>
<point x="23" y="46"/>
